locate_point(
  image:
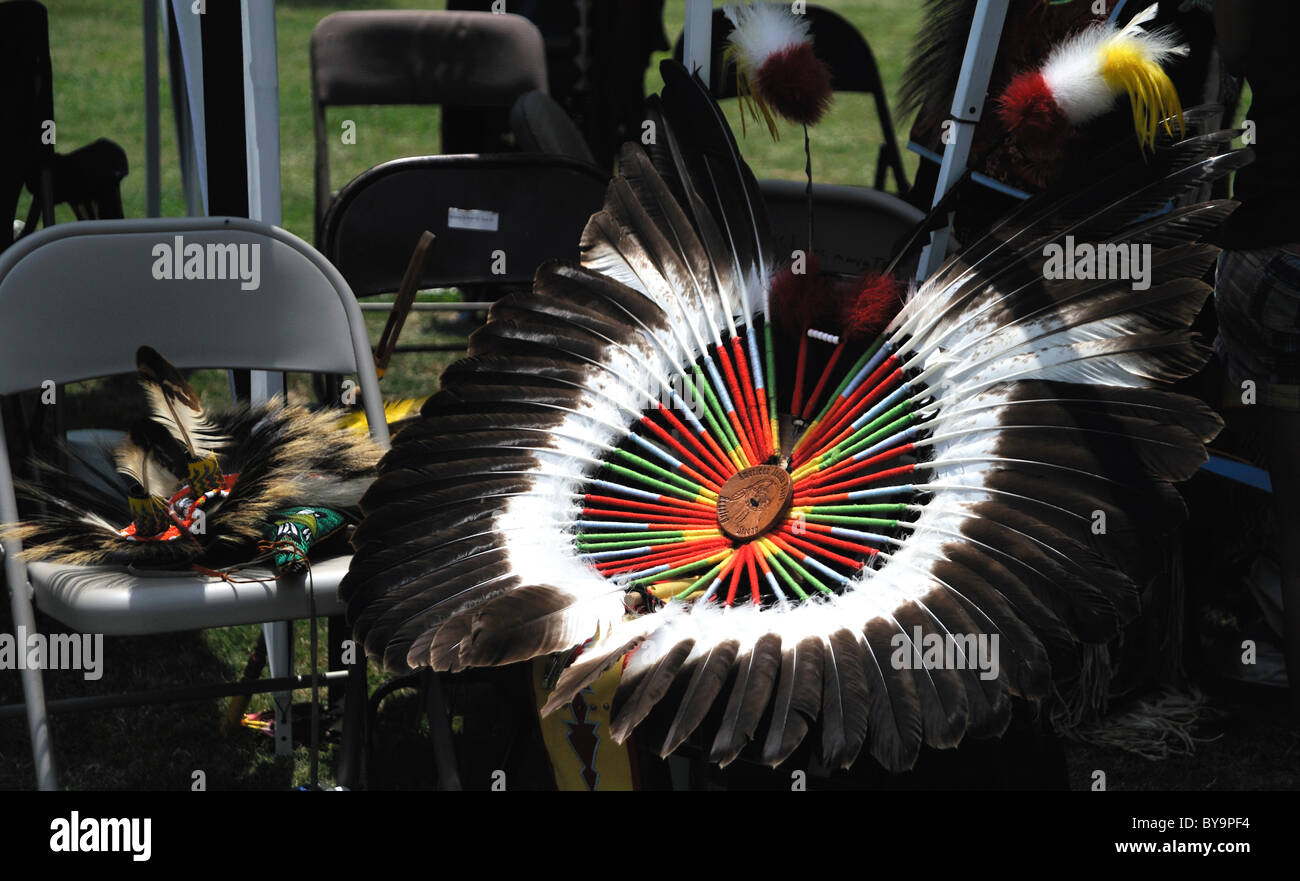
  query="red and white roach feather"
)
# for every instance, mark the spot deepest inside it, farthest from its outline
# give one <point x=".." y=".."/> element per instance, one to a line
<point x="875" y="301"/>
<point x="1084" y="76"/>
<point x="776" y="67"/>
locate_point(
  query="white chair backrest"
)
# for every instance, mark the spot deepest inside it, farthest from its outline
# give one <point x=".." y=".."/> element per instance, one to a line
<point x="78" y="299"/>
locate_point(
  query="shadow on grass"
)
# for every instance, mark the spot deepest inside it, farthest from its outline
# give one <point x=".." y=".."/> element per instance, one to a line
<point x="402" y="754"/>
<point x="1250" y="746"/>
<point x="149" y="747"/>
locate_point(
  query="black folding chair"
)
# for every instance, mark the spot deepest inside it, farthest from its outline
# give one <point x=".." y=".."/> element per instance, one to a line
<point x="858" y="229"/>
<point x="474" y="59"/>
<point x="495" y="219"/>
<point x="540" y="125"/>
<point x="88" y="179"/>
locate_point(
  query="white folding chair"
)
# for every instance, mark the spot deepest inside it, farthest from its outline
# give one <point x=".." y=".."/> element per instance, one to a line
<point x="76" y="300"/>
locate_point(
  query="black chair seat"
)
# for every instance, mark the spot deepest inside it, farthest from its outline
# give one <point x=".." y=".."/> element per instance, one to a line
<point x="856" y="229"/>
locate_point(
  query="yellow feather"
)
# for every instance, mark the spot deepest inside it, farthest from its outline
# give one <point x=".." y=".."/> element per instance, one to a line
<point x="393" y="412"/>
<point x="751" y="100"/>
<point x="1127" y="65"/>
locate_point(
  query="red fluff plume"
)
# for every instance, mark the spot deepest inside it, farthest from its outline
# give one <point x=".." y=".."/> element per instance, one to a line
<point x="1029" y="111"/>
<point x="877" y="301"/>
<point x="796" y="83"/>
<point x="803" y="300"/>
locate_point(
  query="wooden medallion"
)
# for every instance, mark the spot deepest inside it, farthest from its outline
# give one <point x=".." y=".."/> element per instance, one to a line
<point x="754" y="501"/>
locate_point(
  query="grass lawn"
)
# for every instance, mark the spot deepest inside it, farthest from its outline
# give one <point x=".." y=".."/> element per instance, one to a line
<point x="98" y="89"/>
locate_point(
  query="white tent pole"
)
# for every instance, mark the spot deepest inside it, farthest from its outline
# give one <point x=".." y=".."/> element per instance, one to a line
<point x="152" y="189"/>
<point x="262" y="138"/>
<point x="967" y="107"/>
<point x="697" y="37"/>
<point x="261" y="110"/>
<point x="262" y="143"/>
<point x="189" y="29"/>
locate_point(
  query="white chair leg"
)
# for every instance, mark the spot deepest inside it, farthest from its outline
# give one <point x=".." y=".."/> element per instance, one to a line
<point x="20" y="601"/>
<point x="38" y="721"/>
<point x="279" y="653"/>
<point x="38" y="726"/>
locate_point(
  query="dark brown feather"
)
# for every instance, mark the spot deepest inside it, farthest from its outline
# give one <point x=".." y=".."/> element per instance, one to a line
<point x="708" y="675"/>
<point x="894" y="709"/>
<point x="798" y="699"/>
<point x="845" y="698"/>
<point x="637" y="695"/>
<point x="751" y="690"/>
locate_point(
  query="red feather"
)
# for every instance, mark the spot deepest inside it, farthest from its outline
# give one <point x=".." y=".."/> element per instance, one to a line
<point x="877" y="301"/>
<point x="1030" y="112"/>
<point x="803" y="300"/>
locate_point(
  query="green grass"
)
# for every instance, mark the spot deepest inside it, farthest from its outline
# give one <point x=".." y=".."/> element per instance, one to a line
<point x="96" y="47"/>
<point x="845" y="143"/>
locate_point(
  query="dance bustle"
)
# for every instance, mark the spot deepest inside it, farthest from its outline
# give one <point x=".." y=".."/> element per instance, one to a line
<point x="604" y="471"/>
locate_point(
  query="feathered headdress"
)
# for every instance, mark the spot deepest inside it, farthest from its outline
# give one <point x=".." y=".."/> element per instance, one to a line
<point x="776" y="67"/>
<point x="200" y="488"/>
<point x="605" y="476"/>
<point x="1084" y="75"/>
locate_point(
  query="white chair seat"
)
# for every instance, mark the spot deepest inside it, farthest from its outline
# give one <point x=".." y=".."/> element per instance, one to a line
<point x="118" y="601"/>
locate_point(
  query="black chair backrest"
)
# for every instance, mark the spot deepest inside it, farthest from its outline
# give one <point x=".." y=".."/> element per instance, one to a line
<point x="496" y="218"/>
<point x="28" y="89"/>
<point x="858" y="229"/>
<point x="853" y="69"/>
<point x="476" y="59"/>
<point x="88" y="179"/>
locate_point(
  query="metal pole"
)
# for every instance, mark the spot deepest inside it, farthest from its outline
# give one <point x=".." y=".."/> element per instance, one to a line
<point x="967" y="107"/>
<point x="262" y="110"/>
<point x="262" y="138"/>
<point x="20" y="602"/>
<point x="177" y="695"/>
<point x="187" y="85"/>
<point x="697" y="37"/>
<point x="152" y="188"/>
<point x="262" y="146"/>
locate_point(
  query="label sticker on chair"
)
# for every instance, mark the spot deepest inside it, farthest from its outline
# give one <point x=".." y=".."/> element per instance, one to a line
<point x="472" y="218"/>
